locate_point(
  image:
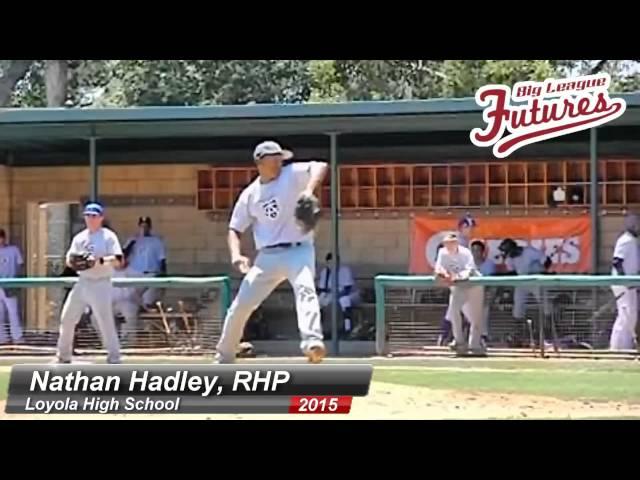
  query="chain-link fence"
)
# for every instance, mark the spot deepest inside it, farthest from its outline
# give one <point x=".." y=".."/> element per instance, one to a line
<point x="186" y="319"/>
<point x="533" y="313"/>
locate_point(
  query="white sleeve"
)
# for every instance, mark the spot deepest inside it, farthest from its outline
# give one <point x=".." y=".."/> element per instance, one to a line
<point x="19" y="260"/>
<point x="346" y="277"/>
<point x="240" y="218"/>
<point x="620" y="249"/>
<point x="74" y="248"/>
<point x="113" y="244"/>
<point x="302" y="171"/>
<point x="438" y="267"/>
<point x="161" y="251"/>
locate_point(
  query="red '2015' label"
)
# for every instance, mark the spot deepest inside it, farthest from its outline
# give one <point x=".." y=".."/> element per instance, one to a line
<point x="320" y="404"/>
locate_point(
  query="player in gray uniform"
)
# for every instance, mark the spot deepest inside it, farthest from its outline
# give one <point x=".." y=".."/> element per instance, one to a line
<point x="453" y="266"/>
<point x="527" y="261"/>
<point x="285" y="252"/>
<point x="626" y="261"/>
<point x="94" y="288"/>
<point x="146" y="254"/>
<point x="486" y="267"/>
<point x="10" y="264"/>
<point x="465" y="231"/>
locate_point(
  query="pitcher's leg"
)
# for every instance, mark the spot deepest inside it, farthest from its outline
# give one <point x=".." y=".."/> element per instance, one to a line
<point x="257" y="284"/>
<point x="99" y="298"/>
<point x="300" y="273"/>
<point x="72" y="311"/>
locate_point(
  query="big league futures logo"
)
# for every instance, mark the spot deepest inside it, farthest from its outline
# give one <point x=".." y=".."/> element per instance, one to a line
<point x="536" y="111"/>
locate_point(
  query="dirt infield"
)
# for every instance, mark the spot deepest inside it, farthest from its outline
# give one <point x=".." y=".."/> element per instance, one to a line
<point x="393" y="396"/>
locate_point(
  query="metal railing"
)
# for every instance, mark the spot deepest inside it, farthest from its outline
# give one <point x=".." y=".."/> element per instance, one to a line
<point x="187" y="317"/>
<point x="570" y="313"/>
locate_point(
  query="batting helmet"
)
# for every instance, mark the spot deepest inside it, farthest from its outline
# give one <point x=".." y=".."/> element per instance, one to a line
<point x="508" y="247"/>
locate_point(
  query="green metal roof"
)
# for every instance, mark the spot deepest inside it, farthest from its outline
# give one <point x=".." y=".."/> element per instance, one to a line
<point x="22" y="127"/>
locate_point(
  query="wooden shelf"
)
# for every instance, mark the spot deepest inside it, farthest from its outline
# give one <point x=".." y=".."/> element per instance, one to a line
<point x="402" y="176"/>
<point x="402" y="197"/>
<point x="458" y="176"/>
<point x="440" y="196"/>
<point x="517" y="173"/>
<point x="367" y="197"/>
<point x="422" y="176"/>
<point x="384" y="197"/>
<point x="454" y="185"/>
<point x="477" y="196"/>
<point x="385" y="176"/>
<point x="205" y="200"/>
<point x="632" y="170"/>
<point x="205" y="179"/>
<point x="440" y="175"/>
<point x="421" y="196"/>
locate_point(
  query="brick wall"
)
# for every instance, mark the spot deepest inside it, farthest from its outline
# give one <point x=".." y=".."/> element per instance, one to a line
<point x="196" y="244"/>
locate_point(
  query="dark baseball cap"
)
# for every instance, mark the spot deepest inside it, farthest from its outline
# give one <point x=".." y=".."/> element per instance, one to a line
<point x="143" y="220"/>
<point x="265" y="149"/>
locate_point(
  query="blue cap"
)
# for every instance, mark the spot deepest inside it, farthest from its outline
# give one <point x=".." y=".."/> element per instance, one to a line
<point x="467" y="221"/>
<point x="93" y="208"/>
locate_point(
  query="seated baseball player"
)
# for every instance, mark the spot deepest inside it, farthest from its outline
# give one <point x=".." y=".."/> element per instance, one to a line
<point x="349" y="296"/>
<point x="146" y="255"/>
<point x="466" y="227"/>
<point x="527" y="261"/>
<point x="454" y="266"/>
<point x="626" y="262"/>
<point x="486" y="267"/>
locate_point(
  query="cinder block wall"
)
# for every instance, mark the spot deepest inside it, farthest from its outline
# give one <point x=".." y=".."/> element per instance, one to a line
<point x="197" y="244"/>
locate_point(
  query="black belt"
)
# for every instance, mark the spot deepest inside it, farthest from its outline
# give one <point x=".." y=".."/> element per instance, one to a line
<point x="284" y="245"/>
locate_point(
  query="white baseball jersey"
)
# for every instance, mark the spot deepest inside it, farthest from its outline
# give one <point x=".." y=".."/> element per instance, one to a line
<point x="269" y="207"/>
<point x="147" y="253"/>
<point x="101" y="243"/>
<point x="530" y="262"/>
<point x="345" y="278"/>
<point x="456" y="263"/>
<point x="627" y="249"/>
<point x="10" y="259"/>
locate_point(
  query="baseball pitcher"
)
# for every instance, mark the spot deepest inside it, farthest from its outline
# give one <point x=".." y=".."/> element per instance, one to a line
<point x="93" y="254"/>
<point x="454" y="265"/>
<point x="625" y="262"/>
<point x="10" y="264"/>
<point x="280" y="207"/>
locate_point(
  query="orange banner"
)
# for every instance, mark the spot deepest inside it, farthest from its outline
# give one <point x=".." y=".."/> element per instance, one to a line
<point x="566" y="240"/>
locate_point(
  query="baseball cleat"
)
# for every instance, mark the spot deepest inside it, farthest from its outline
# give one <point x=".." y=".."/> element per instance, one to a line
<point x="316" y="353"/>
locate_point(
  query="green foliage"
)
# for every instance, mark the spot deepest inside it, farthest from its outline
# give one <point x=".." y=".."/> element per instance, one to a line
<point x="120" y="83"/>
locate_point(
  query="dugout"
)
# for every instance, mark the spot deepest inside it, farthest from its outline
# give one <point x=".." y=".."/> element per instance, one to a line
<point x="183" y="166"/>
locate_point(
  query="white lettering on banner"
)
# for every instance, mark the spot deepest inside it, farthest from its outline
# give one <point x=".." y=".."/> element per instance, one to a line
<point x="563" y="251"/>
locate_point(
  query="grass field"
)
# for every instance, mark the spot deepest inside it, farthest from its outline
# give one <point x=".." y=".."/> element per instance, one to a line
<point x="469" y="388"/>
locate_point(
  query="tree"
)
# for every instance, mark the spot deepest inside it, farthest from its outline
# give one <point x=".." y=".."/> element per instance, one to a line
<point x="11" y="72"/>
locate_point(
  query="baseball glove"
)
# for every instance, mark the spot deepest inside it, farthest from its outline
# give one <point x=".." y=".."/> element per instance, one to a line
<point x="307" y="212"/>
<point x="82" y="262"/>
